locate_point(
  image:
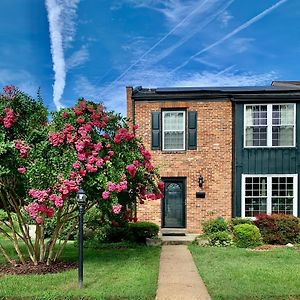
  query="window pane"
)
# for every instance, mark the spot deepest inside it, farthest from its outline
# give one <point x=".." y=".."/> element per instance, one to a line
<point x="255" y="196"/>
<point x="256" y="136"/>
<point x="173" y="121"/>
<point x="256" y="115"/>
<point x="255" y="206"/>
<point x="282" y="136"/>
<point x="282" y="195"/>
<point x="283" y="125"/>
<point x="173" y="140"/>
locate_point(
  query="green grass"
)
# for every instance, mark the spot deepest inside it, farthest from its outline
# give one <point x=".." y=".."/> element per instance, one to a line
<point x="109" y="273"/>
<point x="234" y="273"/>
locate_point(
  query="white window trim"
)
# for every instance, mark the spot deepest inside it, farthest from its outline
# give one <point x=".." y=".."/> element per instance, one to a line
<point x="269" y="189"/>
<point x="163" y="131"/>
<point x="269" y="125"/>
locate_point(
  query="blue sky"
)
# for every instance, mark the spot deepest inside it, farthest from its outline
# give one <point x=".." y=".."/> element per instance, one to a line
<point x="95" y="48"/>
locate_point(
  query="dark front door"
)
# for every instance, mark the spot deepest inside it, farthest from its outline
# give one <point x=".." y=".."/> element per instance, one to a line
<point x="174" y="204"/>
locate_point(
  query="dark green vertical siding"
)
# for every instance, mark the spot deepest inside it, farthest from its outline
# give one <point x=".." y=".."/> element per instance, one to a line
<point x="262" y="160"/>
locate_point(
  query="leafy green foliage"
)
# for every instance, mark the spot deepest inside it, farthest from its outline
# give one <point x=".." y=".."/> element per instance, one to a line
<point x="238" y="221"/>
<point x="278" y="228"/>
<point x="220" y="239"/>
<point x="215" y="225"/>
<point x="140" y="231"/>
<point x="44" y="164"/>
<point x="247" y="235"/>
<point x="217" y="232"/>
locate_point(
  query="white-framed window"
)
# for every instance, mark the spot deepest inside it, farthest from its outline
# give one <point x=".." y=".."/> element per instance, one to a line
<point x="173" y="129"/>
<point x="269" y="125"/>
<point x="269" y="194"/>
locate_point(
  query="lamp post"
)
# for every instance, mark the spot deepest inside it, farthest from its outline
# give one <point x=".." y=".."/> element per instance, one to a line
<point x="81" y="197"/>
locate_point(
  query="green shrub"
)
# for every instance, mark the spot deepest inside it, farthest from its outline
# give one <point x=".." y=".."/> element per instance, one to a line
<point x="117" y="234"/>
<point x="139" y="231"/>
<point x="278" y="228"/>
<point x="215" y="225"/>
<point x="220" y="239"/>
<point x="247" y="235"/>
<point x="3" y="215"/>
<point x="238" y="221"/>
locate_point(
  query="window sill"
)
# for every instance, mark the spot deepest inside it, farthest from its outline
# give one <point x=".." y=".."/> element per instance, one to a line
<point x="270" y="147"/>
<point x="173" y="152"/>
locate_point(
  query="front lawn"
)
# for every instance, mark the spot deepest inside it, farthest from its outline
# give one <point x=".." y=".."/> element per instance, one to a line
<point x="234" y="273"/>
<point x="125" y="273"/>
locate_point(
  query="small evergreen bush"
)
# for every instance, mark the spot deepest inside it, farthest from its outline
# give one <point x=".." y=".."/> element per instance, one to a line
<point x="139" y="231"/>
<point x="220" y="239"/>
<point x="217" y="232"/>
<point x="278" y="228"/>
<point x="238" y="221"/>
<point x="215" y="225"/>
<point x="247" y="235"/>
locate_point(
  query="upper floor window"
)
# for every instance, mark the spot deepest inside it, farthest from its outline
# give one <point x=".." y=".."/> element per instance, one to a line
<point x="173" y="129"/>
<point x="269" y="125"/>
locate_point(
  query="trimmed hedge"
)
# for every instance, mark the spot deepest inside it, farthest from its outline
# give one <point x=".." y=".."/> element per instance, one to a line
<point x="278" y="228"/>
<point x="247" y="235"/>
<point x="139" y="231"/>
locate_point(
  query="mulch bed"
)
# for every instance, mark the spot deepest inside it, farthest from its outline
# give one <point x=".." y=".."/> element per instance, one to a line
<point x="268" y="247"/>
<point x="29" y="268"/>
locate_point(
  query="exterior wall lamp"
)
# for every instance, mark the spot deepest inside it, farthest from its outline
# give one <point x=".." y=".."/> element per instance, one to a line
<point x="81" y="197"/>
<point x="200" y="194"/>
<point x="200" y="181"/>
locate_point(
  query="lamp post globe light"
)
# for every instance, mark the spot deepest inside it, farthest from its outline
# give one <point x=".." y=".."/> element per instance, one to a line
<point x="81" y="197"/>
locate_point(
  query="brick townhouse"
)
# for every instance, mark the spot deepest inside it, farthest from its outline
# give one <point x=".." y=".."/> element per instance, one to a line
<point x="222" y="152"/>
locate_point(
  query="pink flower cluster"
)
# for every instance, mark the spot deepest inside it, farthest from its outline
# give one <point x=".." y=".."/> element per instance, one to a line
<point x="124" y="135"/>
<point x="113" y="187"/>
<point x="22" y="170"/>
<point x="23" y="150"/>
<point x="152" y="196"/>
<point x="56" y="138"/>
<point x="57" y="200"/>
<point x="131" y="170"/>
<point x="116" y="209"/>
<point x="34" y="209"/>
<point x="10" y="119"/>
<point x="145" y="153"/>
<point x="39" y="195"/>
<point x="9" y="90"/>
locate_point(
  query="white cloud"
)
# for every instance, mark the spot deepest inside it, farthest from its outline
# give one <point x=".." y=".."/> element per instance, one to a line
<point x="208" y="15"/>
<point x="115" y="99"/>
<point x="173" y="10"/>
<point x="78" y="58"/>
<point x="61" y="17"/>
<point x="224" y="18"/>
<point x="240" y="45"/>
<point x="19" y="78"/>
<point x="232" y="33"/>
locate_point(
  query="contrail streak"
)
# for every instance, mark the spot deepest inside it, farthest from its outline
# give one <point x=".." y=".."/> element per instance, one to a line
<point x="232" y="33"/>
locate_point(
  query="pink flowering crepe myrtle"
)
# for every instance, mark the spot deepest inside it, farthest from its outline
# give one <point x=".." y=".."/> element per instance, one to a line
<point x="90" y="158"/>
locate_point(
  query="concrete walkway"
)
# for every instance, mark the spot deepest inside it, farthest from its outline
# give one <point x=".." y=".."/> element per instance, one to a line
<point x="178" y="276"/>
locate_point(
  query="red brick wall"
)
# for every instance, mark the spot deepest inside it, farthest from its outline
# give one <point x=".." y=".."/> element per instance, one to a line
<point x="212" y="159"/>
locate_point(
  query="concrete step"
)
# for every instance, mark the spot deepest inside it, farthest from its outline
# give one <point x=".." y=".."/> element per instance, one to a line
<point x="178" y="240"/>
<point x="173" y="231"/>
